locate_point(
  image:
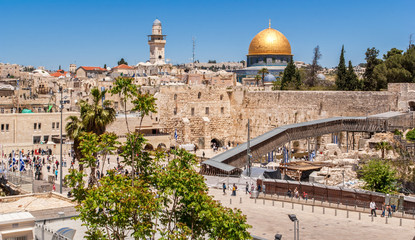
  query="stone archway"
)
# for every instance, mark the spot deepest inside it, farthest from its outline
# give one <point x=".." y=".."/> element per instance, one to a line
<point x="215" y="143"/>
<point x="149" y="147"/>
<point x="161" y="146"/>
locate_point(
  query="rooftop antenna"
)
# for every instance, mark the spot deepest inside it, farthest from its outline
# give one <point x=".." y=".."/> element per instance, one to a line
<point x="194" y="44"/>
<point x="269" y="24"/>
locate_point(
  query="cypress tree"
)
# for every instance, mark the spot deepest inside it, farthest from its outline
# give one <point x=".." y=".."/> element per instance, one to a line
<point x="341" y="72"/>
<point x="352" y="83"/>
<point x="289" y="73"/>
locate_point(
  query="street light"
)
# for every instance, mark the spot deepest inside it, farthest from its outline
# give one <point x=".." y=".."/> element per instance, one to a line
<point x="60" y="165"/>
<point x="294" y="219"/>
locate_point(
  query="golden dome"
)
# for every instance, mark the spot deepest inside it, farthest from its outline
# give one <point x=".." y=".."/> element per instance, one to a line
<point x="269" y="42"/>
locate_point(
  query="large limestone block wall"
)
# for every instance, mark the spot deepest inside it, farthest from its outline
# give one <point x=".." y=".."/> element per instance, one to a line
<point x="270" y="109"/>
<point x="231" y="107"/>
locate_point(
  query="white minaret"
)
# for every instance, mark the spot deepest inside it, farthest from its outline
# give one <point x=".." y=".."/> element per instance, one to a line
<point x="157" y="41"/>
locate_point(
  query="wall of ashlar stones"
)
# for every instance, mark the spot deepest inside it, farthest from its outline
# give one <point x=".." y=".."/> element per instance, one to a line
<point x="230" y="109"/>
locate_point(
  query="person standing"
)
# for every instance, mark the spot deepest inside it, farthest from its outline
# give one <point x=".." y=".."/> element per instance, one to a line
<point x="246" y="188"/>
<point x="372" y="206"/>
<point x="56" y="174"/>
<point x="224" y="188"/>
<point x="383" y="209"/>
<point x="389" y="208"/>
<point x="234" y="190"/>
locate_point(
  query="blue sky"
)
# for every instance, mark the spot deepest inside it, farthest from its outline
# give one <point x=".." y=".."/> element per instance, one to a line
<point x="94" y="33"/>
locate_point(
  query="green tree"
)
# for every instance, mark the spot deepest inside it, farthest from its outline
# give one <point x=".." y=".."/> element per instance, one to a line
<point x="379" y="176"/>
<point x="314" y="67"/>
<point x="369" y="81"/>
<point x="105" y="66"/>
<point x="144" y="103"/>
<point x="262" y="72"/>
<point x="341" y="72"/>
<point x="94" y="117"/>
<point x="98" y="114"/>
<point x="289" y="73"/>
<point x="74" y="128"/>
<point x="383" y="146"/>
<point x="396" y="68"/>
<point x="125" y="87"/>
<point x="189" y="210"/>
<point x="392" y="52"/>
<point x="116" y="209"/>
<point x="351" y="81"/>
<point x="122" y="61"/>
<point x="411" y="135"/>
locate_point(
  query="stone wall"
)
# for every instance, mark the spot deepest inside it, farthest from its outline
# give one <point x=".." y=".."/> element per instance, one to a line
<point x="265" y="109"/>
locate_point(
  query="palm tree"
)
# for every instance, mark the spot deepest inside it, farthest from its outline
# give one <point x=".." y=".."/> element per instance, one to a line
<point x="384" y="146"/>
<point x="125" y="87"/>
<point x="263" y="71"/>
<point x="144" y="104"/>
<point x="257" y="78"/>
<point x="97" y="116"/>
<point x="74" y="129"/>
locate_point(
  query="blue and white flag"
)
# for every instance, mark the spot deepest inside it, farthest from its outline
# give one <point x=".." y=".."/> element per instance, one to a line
<point x="21" y="163"/>
<point x="284" y="155"/>
<point x="175" y="134"/>
<point x="312" y="155"/>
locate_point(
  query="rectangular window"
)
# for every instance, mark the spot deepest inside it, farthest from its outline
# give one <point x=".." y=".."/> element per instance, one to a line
<point x="57" y="125"/>
<point x="34" y="126"/>
<point x="207" y="111"/>
<point x="222" y="110"/>
<point x="45" y="139"/>
<point x="193" y="111"/>
<point x="36" y="139"/>
<point x="175" y="111"/>
<point x="2" y="110"/>
<point x="53" y="125"/>
<point x="7" y="127"/>
<point x="2" y="127"/>
<point x="39" y="126"/>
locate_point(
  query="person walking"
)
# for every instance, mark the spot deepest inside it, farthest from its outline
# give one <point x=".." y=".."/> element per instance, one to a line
<point x="246" y="188"/>
<point x="224" y="188"/>
<point x="383" y="209"/>
<point x="372" y="206"/>
<point x="56" y="174"/>
<point x="389" y="209"/>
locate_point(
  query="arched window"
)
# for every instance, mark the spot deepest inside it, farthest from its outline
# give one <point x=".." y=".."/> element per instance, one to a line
<point x="221" y="96"/>
<point x="199" y="95"/>
<point x="175" y="96"/>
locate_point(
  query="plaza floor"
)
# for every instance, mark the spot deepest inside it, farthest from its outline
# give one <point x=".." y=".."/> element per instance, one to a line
<point x="268" y="219"/>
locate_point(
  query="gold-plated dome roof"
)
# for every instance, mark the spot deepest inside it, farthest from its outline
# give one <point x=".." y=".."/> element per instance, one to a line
<point x="269" y="42"/>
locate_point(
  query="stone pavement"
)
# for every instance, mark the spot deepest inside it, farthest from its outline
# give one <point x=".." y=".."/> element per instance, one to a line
<point x="268" y="220"/>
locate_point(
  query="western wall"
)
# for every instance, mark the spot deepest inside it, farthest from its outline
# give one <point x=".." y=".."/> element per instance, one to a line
<point x="201" y="114"/>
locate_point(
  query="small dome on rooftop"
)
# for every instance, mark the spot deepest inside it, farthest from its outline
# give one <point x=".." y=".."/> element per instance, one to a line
<point x="269" y="78"/>
<point x="156" y="22"/>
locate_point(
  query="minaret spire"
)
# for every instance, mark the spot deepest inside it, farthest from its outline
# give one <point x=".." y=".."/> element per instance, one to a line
<point x="269" y="25"/>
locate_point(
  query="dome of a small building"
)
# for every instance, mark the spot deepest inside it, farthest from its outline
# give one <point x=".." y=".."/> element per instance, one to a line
<point x="269" y="78"/>
<point x="320" y="76"/>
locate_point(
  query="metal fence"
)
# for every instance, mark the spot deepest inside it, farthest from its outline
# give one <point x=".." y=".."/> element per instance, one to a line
<point x="336" y="195"/>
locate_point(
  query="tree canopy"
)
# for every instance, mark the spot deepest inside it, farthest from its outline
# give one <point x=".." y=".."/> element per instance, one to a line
<point x="379" y="176"/>
<point x="122" y="61"/>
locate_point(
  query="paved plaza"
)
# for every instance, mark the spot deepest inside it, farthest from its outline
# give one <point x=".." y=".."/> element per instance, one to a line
<point x="267" y="220"/>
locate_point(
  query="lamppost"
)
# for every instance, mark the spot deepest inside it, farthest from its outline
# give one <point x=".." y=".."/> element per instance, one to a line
<point x="296" y="222"/>
<point x="60" y="165"/>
